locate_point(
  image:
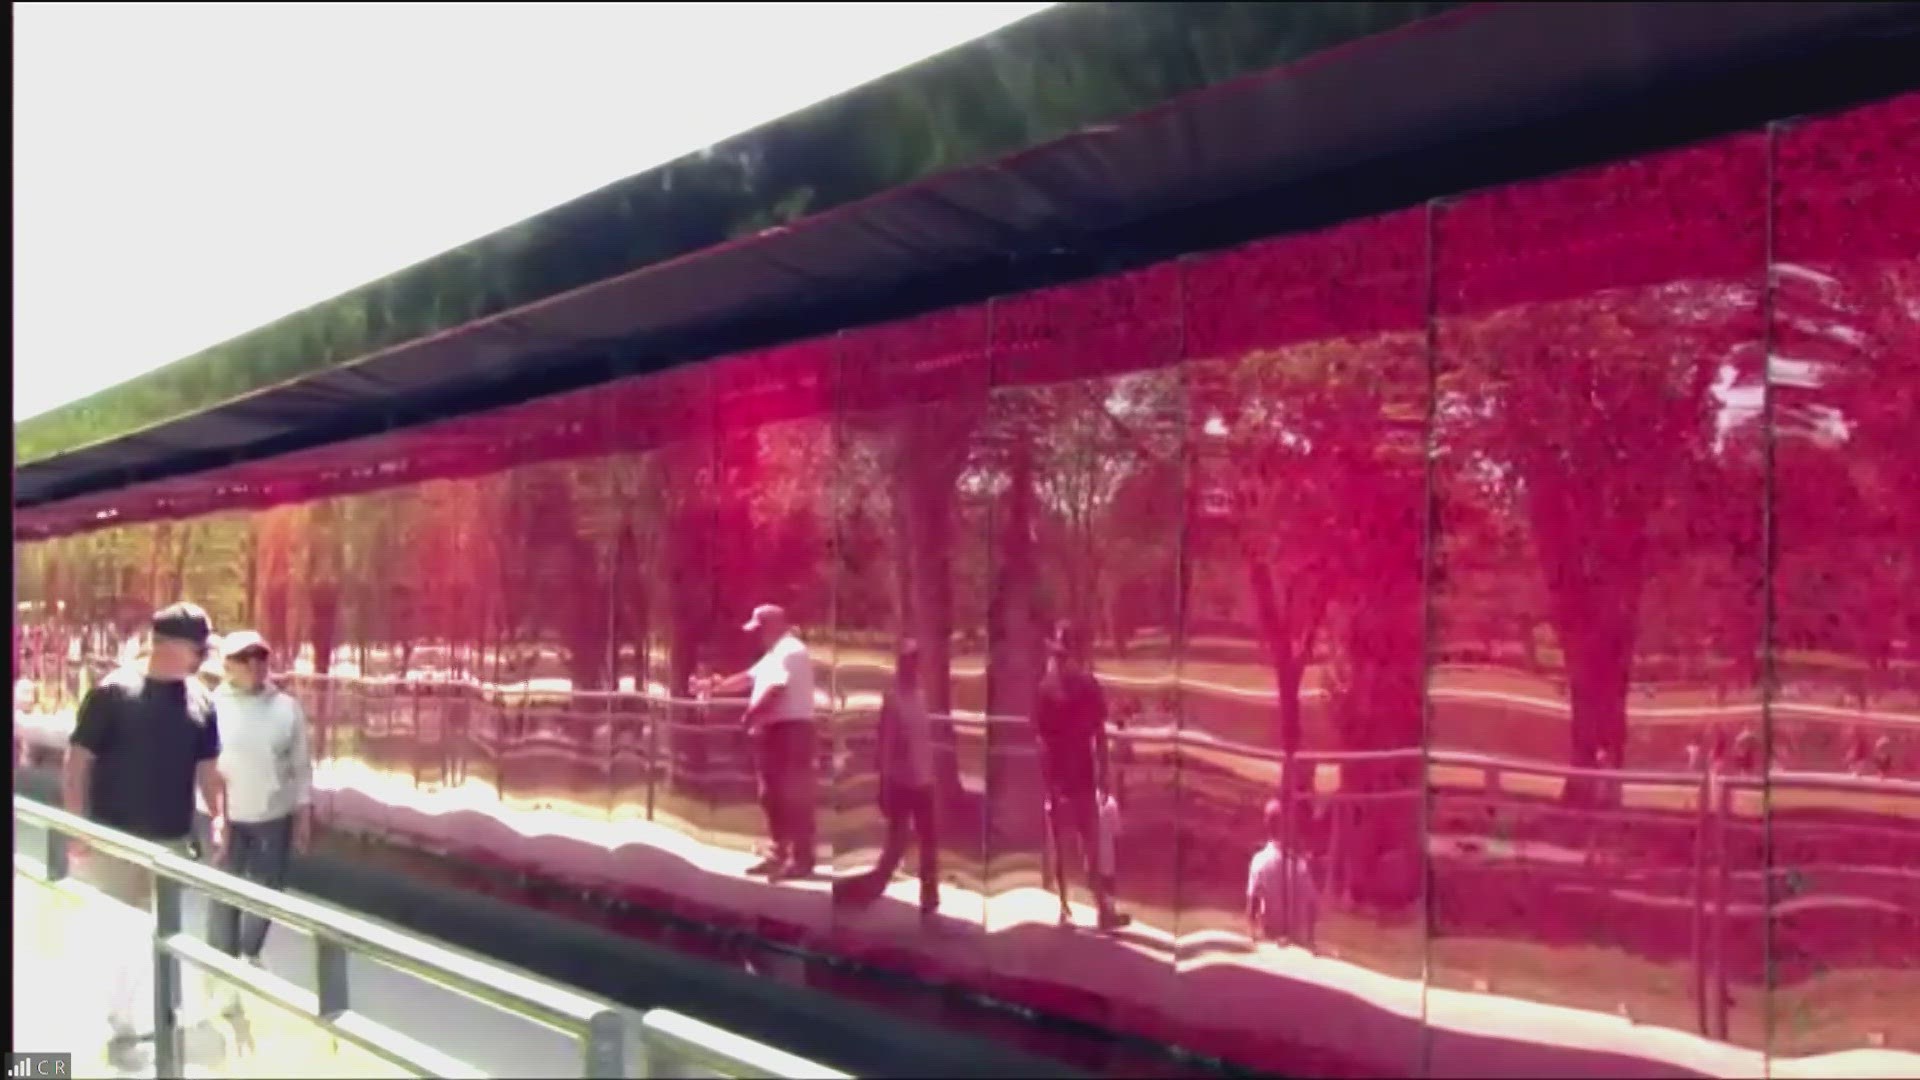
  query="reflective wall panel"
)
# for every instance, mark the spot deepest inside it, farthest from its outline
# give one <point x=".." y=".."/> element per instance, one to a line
<point x="1597" y="573"/>
<point x="548" y="698"/>
<point x="1843" y="780"/>
<point x="661" y="463"/>
<point x="1302" y="920"/>
<point x="914" y="516"/>
<point x="1086" y="432"/>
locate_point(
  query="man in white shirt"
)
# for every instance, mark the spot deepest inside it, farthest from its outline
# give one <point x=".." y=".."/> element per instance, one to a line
<point x="780" y="719"/>
<point x="269" y="781"/>
<point x="1282" y="905"/>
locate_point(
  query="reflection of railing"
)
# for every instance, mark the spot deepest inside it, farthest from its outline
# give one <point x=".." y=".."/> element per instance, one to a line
<point x="1493" y="767"/>
<point x="668" y="1043"/>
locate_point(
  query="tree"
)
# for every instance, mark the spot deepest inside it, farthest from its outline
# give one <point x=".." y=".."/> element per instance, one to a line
<point x="1040" y="79"/>
<point x="1593" y="418"/>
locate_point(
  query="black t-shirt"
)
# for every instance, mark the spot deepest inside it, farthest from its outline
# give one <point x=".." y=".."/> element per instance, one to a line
<point x="146" y="736"/>
<point x="1069" y="717"/>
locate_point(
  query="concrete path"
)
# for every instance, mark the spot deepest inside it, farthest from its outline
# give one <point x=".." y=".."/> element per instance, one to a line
<point x="59" y="1004"/>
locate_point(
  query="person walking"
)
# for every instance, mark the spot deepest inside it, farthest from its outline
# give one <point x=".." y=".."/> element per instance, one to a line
<point x="905" y="760"/>
<point x="144" y="738"/>
<point x="1070" y="724"/>
<point x="268" y="773"/>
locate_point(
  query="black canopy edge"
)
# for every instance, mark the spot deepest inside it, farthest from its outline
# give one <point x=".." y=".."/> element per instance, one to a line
<point x="1517" y="91"/>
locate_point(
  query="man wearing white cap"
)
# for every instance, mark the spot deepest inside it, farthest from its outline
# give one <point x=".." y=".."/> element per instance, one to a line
<point x="780" y="718"/>
<point x="269" y="781"/>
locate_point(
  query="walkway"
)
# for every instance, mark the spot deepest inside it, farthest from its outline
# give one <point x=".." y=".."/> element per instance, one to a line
<point x="57" y="1005"/>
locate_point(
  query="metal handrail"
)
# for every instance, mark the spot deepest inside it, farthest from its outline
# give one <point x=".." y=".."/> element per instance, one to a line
<point x="605" y="1031"/>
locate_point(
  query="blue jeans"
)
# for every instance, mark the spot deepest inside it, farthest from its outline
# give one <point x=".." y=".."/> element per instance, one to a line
<point x="258" y="851"/>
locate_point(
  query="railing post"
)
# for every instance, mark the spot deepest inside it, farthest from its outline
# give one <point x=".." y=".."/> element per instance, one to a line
<point x="166" y="976"/>
<point x="54" y="853"/>
<point x="1723" y="845"/>
<point x="1703" y="816"/>
<point x="330" y="977"/>
<point x="652" y="751"/>
<point x="662" y="1058"/>
<point x="604" y="1046"/>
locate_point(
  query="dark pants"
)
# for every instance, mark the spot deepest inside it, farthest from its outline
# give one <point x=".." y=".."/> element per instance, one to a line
<point x="257" y="851"/>
<point x="909" y="813"/>
<point x="786" y="753"/>
<point x="1073" y="811"/>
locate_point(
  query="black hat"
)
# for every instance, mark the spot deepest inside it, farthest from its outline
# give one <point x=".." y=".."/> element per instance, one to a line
<point x="183" y="622"/>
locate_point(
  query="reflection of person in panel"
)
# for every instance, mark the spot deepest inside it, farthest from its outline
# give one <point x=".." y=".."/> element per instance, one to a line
<point x="144" y="738"/>
<point x="1281" y="902"/>
<point x="905" y="765"/>
<point x="1070" y="724"/>
<point x="780" y="719"/>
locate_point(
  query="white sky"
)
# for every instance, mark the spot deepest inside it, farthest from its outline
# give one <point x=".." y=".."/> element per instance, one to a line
<point x="184" y="173"/>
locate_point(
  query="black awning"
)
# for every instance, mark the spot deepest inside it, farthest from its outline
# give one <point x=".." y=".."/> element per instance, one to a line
<point x="1485" y="94"/>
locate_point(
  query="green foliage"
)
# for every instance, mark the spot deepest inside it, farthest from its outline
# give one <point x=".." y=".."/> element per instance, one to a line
<point x="1077" y="65"/>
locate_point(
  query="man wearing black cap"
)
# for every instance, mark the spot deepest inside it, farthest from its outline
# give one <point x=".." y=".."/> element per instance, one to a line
<point x="144" y="738"/>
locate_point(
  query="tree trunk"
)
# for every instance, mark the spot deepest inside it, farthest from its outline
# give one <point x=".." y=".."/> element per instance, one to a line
<point x="1013" y="653"/>
<point x="249" y="608"/>
<point x="1013" y="638"/>
<point x="927" y="464"/>
<point x="1599" y="658"/>
<point x="326" y="626"/>
<point x="1289" y="659"/>
<point x="1595" y="571"/>
<point x="1381" y="710"/>
<point x="589" y="625"/>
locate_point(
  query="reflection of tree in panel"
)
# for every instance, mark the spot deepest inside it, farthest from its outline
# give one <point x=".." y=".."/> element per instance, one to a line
<point x="1596" y="419"/>
<point x="555" y="570"/>
<point x="173" y="546"/>
<point x="1108" y="470"/>
<point x="901" y="478"/>
<point x="686" y="486"/>
<point x="1310" y="477"/>
<point x="642" y="491"/>
<point x="862" y="512"/>
<point x="366" y="527"/>
<point x="113" y="570"/>
<point x="217" y="568"/>
<point x="913" y="396"/>
<point x="664" y="600"/>
<point x="782" y="476"/>
<point x="930" y="447"/>
<point x="324" y="565"/>
<point x="1845" y="401"/>
<point x="278" y="529"/>
<point x="1014" y="608"/>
